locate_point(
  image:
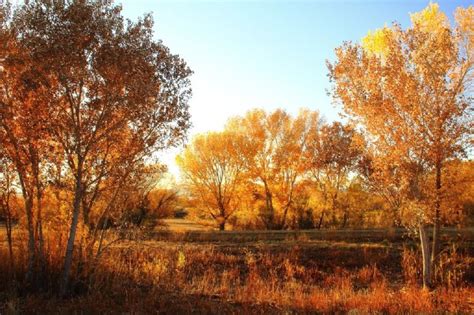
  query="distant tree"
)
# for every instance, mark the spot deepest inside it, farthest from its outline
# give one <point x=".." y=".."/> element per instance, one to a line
<point x="121" y="202"/>
<point x="213" y="167"/>
<point x="332" y="153"/>
<point x="384" y="182"/>
<point x="409" y="90"/>
<point x="163" y="201"/>
<point x="273" y="153"/>
<point x="113" y="94"/>
<point x="461" y="191"/>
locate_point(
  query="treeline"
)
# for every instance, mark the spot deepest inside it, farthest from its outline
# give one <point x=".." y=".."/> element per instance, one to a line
<point x="269" y="170"/>
<point x="86" y="98"/>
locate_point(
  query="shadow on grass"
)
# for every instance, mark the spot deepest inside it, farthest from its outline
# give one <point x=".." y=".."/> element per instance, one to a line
<point x="133" y="297"/>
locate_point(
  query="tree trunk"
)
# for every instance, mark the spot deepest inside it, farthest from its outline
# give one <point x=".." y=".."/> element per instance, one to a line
<point x="72" y="233"/>
<point x="437" y="219"/>
<point x="269" y="207"/>
<point x="334" y="209"/>
<point x="425" y="251"/>
<point x="5" y="205"/>
<point x="35" y="167"/>
<point x="31" y="241"/>
<point x="344" y="220"/>
<point x="283" y="219"/>
<point x="8" y="227"/>
<point x="85" y="214"/>
<point x="40" y="239"/>
<point x="222" y="225"/>
<point x="288" y="205"/>
<point x="321" y="220"/>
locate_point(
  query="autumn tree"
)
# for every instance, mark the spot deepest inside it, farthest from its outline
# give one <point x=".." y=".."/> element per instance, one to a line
<point x="213" y="165"/>
<point x="163" y="201"/>
<point x="461" y="190"/>
<point x="119" y="207"/>
<point x="131" y="198"/>
<point x="273" y="154"/>
<point x="332" y="153"/>
<point x="383" y="180"/>
<point x="24" y="98"/>
<point x="7" y="194"/>
<point x="112" y="94"/>
<point x="409" y="90"/>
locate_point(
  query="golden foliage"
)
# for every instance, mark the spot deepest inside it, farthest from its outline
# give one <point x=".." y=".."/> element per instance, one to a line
<point x="430" y="19"/>
<point x="415" y="117"/>
<point x="213" y="166"/>
<point x="378" y="41"/>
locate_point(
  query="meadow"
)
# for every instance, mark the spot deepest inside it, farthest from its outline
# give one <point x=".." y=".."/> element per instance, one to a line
<point x="256" y="272"/>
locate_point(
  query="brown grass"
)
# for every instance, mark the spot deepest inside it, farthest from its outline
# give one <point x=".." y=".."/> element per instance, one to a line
<point x="292" y="276"/>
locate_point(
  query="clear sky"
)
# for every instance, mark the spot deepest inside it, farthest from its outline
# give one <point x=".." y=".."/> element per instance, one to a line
<point x="266" y="54"/>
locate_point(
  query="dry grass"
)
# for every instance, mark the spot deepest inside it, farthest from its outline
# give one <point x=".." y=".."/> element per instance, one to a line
<point x="189" y="231"/>
<point x="293" y="276"/>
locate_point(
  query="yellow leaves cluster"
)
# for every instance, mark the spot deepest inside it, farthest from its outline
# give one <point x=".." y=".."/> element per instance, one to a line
<point x="465" y="20"/>
<point x="430" y="19"/>
<point x="378" y="41"/>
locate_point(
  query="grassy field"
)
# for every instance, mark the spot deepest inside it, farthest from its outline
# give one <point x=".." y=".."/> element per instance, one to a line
<point x="259" y="272"/>
<point x="187" y="233"/>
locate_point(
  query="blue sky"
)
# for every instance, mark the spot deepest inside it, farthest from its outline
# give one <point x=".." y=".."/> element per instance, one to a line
<point x="266" y="54"/>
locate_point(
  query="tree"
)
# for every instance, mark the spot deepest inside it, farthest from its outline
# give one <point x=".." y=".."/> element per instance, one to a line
<point x="273" y="153"/>
<point x="163" y="201"/>
<point x="409" y="90"/>
<point x="113" y="94"/>
<point x="384" y="181"/>
<point x="7" y="193"/>
<point x="332" y="153"/>
<point x="213" y="167"/>
<point x="23" y="135"/>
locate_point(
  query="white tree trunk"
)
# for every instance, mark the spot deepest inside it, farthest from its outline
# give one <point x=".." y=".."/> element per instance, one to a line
<point x="72" y="234"/>
<point x="425" y="251"/>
